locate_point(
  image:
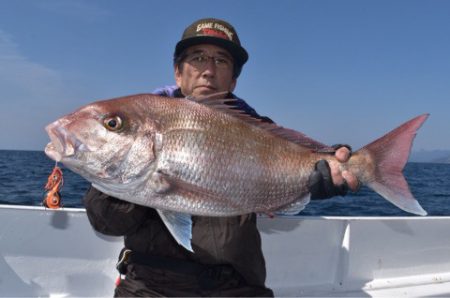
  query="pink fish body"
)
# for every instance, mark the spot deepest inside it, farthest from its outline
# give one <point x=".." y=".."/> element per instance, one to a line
<point x="186" y="157"/>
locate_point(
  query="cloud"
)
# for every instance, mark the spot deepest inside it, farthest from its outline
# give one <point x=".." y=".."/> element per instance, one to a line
<point x="28" y="91"/>
<point x="21" y="78"/>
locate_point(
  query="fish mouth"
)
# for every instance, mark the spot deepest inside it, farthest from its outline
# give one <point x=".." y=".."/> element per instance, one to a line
<point x="63" y="144"/>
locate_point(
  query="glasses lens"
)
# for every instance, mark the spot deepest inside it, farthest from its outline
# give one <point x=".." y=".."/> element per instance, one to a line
<point x="222" y="62"/>
<point x="200" y="60"/>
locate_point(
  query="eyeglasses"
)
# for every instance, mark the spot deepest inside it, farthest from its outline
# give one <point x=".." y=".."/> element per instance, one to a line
<point x="200" y="61"/>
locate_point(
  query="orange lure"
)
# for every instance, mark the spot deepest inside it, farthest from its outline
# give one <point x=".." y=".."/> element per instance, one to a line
<point x="55" y="182"/>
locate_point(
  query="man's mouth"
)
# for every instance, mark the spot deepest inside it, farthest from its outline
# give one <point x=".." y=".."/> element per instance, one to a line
<point x="210" y="87"/>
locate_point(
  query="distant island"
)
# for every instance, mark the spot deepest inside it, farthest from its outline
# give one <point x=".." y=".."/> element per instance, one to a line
<point x="435" y="156"/>
<point x="443" y="160"/>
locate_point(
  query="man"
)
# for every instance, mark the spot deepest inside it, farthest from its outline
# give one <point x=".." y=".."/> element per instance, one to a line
<point x="227" y="258"/>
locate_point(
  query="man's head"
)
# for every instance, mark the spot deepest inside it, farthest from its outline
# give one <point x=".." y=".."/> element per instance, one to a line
<point x="208" y="58"/>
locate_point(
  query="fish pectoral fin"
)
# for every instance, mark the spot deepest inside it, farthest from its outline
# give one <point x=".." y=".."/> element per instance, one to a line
<point x="195" y="193"/>
<point x="159" y="183"/>
<point x="179" y="225"/>
<point x="295" y="207"/>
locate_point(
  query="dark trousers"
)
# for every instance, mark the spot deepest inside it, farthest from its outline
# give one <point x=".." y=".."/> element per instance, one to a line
<point x="142" y="281"/>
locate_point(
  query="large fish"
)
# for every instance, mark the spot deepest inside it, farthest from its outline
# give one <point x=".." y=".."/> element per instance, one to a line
<point x="203" y="157"/>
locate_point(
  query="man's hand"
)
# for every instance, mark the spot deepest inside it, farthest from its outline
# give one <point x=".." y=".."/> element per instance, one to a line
<point x="328" y="181"/>
<point x="343" y="154"/>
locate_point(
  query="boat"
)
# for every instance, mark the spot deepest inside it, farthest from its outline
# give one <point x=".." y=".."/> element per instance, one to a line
<point x="56" y="253"/>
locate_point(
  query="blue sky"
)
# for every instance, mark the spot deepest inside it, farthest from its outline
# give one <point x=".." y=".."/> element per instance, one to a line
<point x="339" y="71"/>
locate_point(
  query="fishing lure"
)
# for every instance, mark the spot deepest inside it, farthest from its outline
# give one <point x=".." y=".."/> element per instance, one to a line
<point x="55" y="181"/>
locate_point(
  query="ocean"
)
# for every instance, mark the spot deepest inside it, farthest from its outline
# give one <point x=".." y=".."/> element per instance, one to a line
<point x="23" y="175"/>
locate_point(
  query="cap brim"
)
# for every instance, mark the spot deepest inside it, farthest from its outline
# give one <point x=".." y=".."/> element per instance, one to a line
<point x="239" y="54"/>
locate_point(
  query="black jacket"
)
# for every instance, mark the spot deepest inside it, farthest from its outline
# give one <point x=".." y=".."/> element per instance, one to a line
<point x="215" y="240"/>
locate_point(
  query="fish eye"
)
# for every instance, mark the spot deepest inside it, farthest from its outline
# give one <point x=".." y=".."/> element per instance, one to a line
<point x="113" y="123"/>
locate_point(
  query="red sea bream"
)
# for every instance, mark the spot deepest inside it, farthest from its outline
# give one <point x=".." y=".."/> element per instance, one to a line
<point x="185" y="157"/>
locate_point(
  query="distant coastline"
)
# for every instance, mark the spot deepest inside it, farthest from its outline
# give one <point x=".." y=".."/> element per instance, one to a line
<point x="431" y="156"/>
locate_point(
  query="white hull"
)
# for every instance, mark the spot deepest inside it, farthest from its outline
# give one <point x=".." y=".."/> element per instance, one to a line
<point x="56" y="253"/>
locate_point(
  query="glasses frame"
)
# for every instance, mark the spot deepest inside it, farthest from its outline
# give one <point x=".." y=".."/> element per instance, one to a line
<point x="200" y="60"/>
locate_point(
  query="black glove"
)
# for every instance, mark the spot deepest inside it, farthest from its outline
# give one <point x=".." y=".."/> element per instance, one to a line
<point x="320" y="182"/>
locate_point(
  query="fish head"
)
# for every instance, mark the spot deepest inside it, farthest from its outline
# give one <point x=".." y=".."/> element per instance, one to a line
<point x="108" y="143"/>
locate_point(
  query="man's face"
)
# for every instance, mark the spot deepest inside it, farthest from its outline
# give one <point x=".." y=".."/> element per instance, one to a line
<point x="206" y="69"/>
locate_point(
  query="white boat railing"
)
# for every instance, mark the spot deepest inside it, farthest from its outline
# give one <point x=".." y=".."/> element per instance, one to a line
<point x="362" y="256"/>
<point x="56" y="253"/>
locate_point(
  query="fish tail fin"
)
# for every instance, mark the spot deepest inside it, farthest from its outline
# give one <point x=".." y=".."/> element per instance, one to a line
<point x="389" y="155"/>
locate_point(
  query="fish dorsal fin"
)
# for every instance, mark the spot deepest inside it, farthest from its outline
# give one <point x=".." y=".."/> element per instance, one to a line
<point x="299" y="138"/>
<point x="228" y="105"/>
<point x="179" y="225"/>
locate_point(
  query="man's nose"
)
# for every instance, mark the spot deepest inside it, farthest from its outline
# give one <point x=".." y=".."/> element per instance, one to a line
<point x="210" y="68"/>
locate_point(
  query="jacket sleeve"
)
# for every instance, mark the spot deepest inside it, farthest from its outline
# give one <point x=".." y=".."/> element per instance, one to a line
<point x="111" y="216"/>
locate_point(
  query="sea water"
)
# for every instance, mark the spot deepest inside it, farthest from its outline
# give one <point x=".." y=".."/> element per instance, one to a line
<point x="23" y="175"/>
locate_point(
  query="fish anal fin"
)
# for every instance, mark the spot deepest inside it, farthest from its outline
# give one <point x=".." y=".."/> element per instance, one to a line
<point x="295" y="207"/>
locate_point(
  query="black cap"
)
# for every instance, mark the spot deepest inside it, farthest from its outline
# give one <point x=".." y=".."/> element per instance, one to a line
<point x="216" y="32"/>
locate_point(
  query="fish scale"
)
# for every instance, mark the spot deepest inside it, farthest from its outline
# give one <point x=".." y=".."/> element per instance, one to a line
<point x="221" y="170"/>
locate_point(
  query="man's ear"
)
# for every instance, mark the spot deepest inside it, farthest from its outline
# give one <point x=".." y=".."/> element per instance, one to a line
<point x="177" y="74"/>
<point x="233" y="85"/>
